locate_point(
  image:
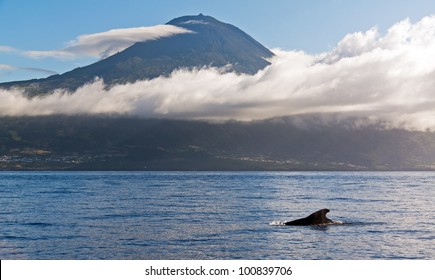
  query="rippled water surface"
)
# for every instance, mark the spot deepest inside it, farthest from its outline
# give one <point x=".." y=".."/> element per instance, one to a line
<point x="215" y="215"/>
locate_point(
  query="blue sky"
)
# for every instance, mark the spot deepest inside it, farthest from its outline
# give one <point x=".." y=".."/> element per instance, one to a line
<point x="312" y="26"/>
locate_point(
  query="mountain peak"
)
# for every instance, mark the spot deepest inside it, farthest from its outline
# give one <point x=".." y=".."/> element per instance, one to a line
<point x="192" y="19"/>
<point x="210" y="44"/>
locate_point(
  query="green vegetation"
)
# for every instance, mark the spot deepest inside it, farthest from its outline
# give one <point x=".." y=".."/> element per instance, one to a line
<point x="14" y="135"/>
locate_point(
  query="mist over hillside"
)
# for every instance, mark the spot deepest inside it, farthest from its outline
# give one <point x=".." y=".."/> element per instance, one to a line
<point x="125" y="143"/>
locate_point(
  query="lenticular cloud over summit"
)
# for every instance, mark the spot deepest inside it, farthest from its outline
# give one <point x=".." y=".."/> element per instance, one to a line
<point x="385" y="77"/>
<point x="107" y="43"/>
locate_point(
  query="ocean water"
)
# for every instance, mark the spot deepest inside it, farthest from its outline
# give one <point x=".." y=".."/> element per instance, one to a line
<point x="215" y="215"/>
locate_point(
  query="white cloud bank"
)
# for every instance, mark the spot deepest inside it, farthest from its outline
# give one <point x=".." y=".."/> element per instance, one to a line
<point x="107" y="43"/>
<point x="388" y="78"/>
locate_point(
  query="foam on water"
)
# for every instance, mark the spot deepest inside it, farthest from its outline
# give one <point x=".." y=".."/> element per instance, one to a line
<point x="278" y="223"/>
<point x="283" y="223"/>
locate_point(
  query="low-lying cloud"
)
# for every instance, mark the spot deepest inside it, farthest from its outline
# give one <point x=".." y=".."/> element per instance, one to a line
<point x="381" y="77"/>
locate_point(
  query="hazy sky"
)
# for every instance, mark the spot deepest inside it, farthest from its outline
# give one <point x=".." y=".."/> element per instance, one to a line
<point x="312" y="26"/>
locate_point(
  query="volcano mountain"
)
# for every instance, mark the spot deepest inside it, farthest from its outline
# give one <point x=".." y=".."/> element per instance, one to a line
<point x="210" y="43"/>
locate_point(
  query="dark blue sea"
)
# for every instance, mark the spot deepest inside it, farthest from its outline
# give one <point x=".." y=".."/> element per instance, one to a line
<point x="216" y="215"/>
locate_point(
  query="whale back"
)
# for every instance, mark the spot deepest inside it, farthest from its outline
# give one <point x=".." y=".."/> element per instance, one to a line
<point x="316" y="218"/>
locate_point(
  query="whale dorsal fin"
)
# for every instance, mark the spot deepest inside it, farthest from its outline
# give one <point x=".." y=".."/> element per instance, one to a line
<point x="316" y="218"/>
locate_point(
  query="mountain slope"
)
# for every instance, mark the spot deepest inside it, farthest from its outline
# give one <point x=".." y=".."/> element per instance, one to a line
<point x="122" y="143"/>
<point x="212" y="43"/>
